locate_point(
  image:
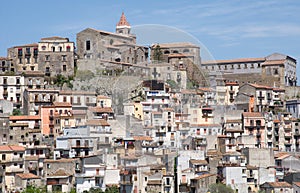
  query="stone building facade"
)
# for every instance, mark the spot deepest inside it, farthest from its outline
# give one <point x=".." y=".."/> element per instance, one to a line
<point x="6" y="65"/>
<point x="56" y="56"/>
<point x="24" y="57"/>
<point x="107" y="50"/>
<point x="179" y="53"/>
<point x="276" y="70"/>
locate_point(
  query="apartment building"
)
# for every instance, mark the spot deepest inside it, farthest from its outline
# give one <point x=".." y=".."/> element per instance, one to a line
<point x="12" y="157"/>
<point x="276" y="70"/>
<point x="24" y="57"/>
<point x="6" y="65"/>
<point x="12" y="88"/>
<point x="56" y="56"/>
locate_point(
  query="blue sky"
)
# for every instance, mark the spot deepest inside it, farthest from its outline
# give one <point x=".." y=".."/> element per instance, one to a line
<point x="228" y="29"/>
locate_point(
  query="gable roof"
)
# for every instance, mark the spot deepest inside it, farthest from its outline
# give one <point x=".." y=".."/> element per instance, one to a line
<point x="28" y="176"/>
<point x="97" y="122"/>
<point x="11" y="148"/>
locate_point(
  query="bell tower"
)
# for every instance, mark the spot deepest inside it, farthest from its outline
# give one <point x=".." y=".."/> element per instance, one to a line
<point x="123" y="27"/>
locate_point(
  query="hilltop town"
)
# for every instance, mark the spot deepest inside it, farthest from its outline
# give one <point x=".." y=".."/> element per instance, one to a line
<point x="107" y="113"/>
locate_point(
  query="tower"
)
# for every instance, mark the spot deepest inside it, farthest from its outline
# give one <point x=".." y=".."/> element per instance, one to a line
<point x="123" y="27"/>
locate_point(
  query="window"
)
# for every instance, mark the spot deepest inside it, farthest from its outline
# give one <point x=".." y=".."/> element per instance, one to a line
<point x="28" y="60"/>
<point x="64" y="57"/>
<point x="27" y="50"/>
<point x="65" y="99"/>
<point x="3" y="156"/>
<point x="88" y="45"/>
<point x="68" y="48"/>
<point x="60" y="48"/>
<point x="35" y="51"/>
<point x="53" y="49"/>
<point x="20" y="60"/>
<point x="47" y="57"/>
<point x="20" y="52"/>
<point x="64" y="68"/>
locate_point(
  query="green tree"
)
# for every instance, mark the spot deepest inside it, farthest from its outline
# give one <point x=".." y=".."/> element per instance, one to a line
<point x="220" y="188"/>
<point x="33" y="189"/>
<point x="16" y="112"/>
<point x="113" y="189"/>
<point x="60" y="80"/>
<point x="157" y="53"/>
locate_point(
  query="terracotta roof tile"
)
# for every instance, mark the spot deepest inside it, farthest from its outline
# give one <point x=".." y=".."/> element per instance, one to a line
<point x="11" y="148"/>
<point x="204" y="176"/>
<point x="102" y="97"/>
<point x="123" y="21"/>
<point x="59" y="160"/>
<point x="54" y="38"/>
<point x="273" y="62"/>
<point x="59" y="172"/>
<point x="62" y="104"/>
<point x="231" y="84"/>
<point x="252" y="114"/>
<point x="142" y="138"/>
<point x="28" y="176"/>
<point x="101" y="110"/>
<point x="240" y="60"/>
<point x="279" y="184"/>
<point x="24" y="117"/>
<point x="233" y="121"/>
<point x="198" y="162"/>
<point x="260" y="86"/>
<point x="98" y="122"/>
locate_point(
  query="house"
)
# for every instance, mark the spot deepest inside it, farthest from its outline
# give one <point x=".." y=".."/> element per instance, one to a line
<point x="253" y="124"/>
<point x="200" y="184"/>
<point x="24" y="57"/>
<point x="91" y="174"/>
<point x="56" y="56"/>
<point x="276" y="187"/>
<point x="22" y="181"/>
<point x="12" y="163"/>
<point x="60" y="174"/>
<point x="12" y="88"/>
